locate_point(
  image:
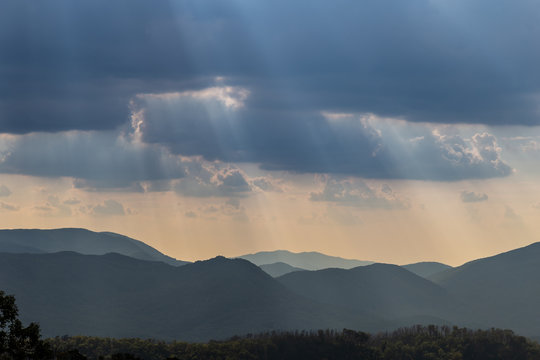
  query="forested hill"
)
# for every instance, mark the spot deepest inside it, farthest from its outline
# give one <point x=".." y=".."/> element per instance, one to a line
<point x="418" y="343"/>
<point x="502" y="290"/>
<point x="118" y="296"/>
<point x="388" y="291"/>
<point x="121" y="296"/>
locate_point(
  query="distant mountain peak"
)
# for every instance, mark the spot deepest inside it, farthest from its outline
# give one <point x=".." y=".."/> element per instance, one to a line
<point x="279" y="268"/>
<point x="83" y="241"/>
<point x="311" y="260"/>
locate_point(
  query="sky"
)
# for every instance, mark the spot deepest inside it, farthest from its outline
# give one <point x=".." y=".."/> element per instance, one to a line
<point x="383" y="130"/>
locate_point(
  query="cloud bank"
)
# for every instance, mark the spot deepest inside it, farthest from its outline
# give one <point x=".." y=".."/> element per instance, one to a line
<point x="75" y="66"/>
<point x="361" y="145"/>
<point x="146" y="96"/>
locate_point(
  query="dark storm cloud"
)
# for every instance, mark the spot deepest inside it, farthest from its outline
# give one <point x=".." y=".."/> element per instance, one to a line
<point x="75" y="65"/>
<point x="95" y="159"/>
<point x="215" y="124"/>
<point x="108" y="161"/>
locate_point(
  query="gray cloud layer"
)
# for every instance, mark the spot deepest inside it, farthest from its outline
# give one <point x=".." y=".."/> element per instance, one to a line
<point x="98" y="159"/>
<point x="215" y="124"/>
<point x="75" y="65"/>
<point x="358" y="194"/>
<point x="95" y="66"/>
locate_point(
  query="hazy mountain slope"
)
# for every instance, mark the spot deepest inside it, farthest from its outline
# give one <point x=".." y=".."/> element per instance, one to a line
<point x="427" y="268"/>
<point x="303" y="260"/>
<point x="79" y="240"/>
<point x="382" y="289"/>
<point x="278" y="269"/>
<point x="8" y="247"/>
<point x="114" y="295"/>
<point x="502" y="290"/>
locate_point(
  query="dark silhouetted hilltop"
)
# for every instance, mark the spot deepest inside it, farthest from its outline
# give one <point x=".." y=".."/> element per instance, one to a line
<point x="118" y="296"/>
<point x="501" y="290"/>
<point x="384" y="290"/>
<point x="278" y="269"/>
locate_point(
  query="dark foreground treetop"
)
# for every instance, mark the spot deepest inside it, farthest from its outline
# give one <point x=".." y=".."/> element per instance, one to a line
<point x="418" y="343"/>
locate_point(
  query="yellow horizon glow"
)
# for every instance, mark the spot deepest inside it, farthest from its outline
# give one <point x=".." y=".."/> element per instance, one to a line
<point x="437" y="226"/>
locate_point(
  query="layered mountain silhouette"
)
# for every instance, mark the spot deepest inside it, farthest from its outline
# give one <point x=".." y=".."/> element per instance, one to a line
<point x="387" y="291"/>
<point x="35" y="241"/>
<point x="118" y="296"/>
<point x="281" y="262"/>
<point x="144" y="293"/>
<point x="279" y="269"/>
<point x="426" y="269"/>
<point x="502" y="290"/>
<point x="303" y="260"/>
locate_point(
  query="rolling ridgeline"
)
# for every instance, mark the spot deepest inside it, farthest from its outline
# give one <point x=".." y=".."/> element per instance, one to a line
<point x="78" y="282"/>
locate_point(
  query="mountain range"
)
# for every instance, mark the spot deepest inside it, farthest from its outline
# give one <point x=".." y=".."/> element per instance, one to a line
<point x="83" y="241"/>
<point x="502" y="290"/>
<point x="387" y="291"/>
<point x="37" y="241"/>
<point x="303" y="260"/>
<point x="117" y="296"/>
<point x="149" y="295"/>
<point x="279" y="268"/>
<point x="426" y="269"/>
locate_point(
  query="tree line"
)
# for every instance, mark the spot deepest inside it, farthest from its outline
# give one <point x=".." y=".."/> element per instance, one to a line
<point x="418" y="343"/>
<point x="18" y="342"/>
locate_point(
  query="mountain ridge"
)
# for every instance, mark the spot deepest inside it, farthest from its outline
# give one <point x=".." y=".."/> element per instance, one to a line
<point x="119" y="296"/>
<point x="385" y="290"/>
<point x="80" y="240"/>
<point x="426" y="269"/>
<point x="278" y="269"/>
<point x="502" y="290"/>
<point x="308" y="260"/>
